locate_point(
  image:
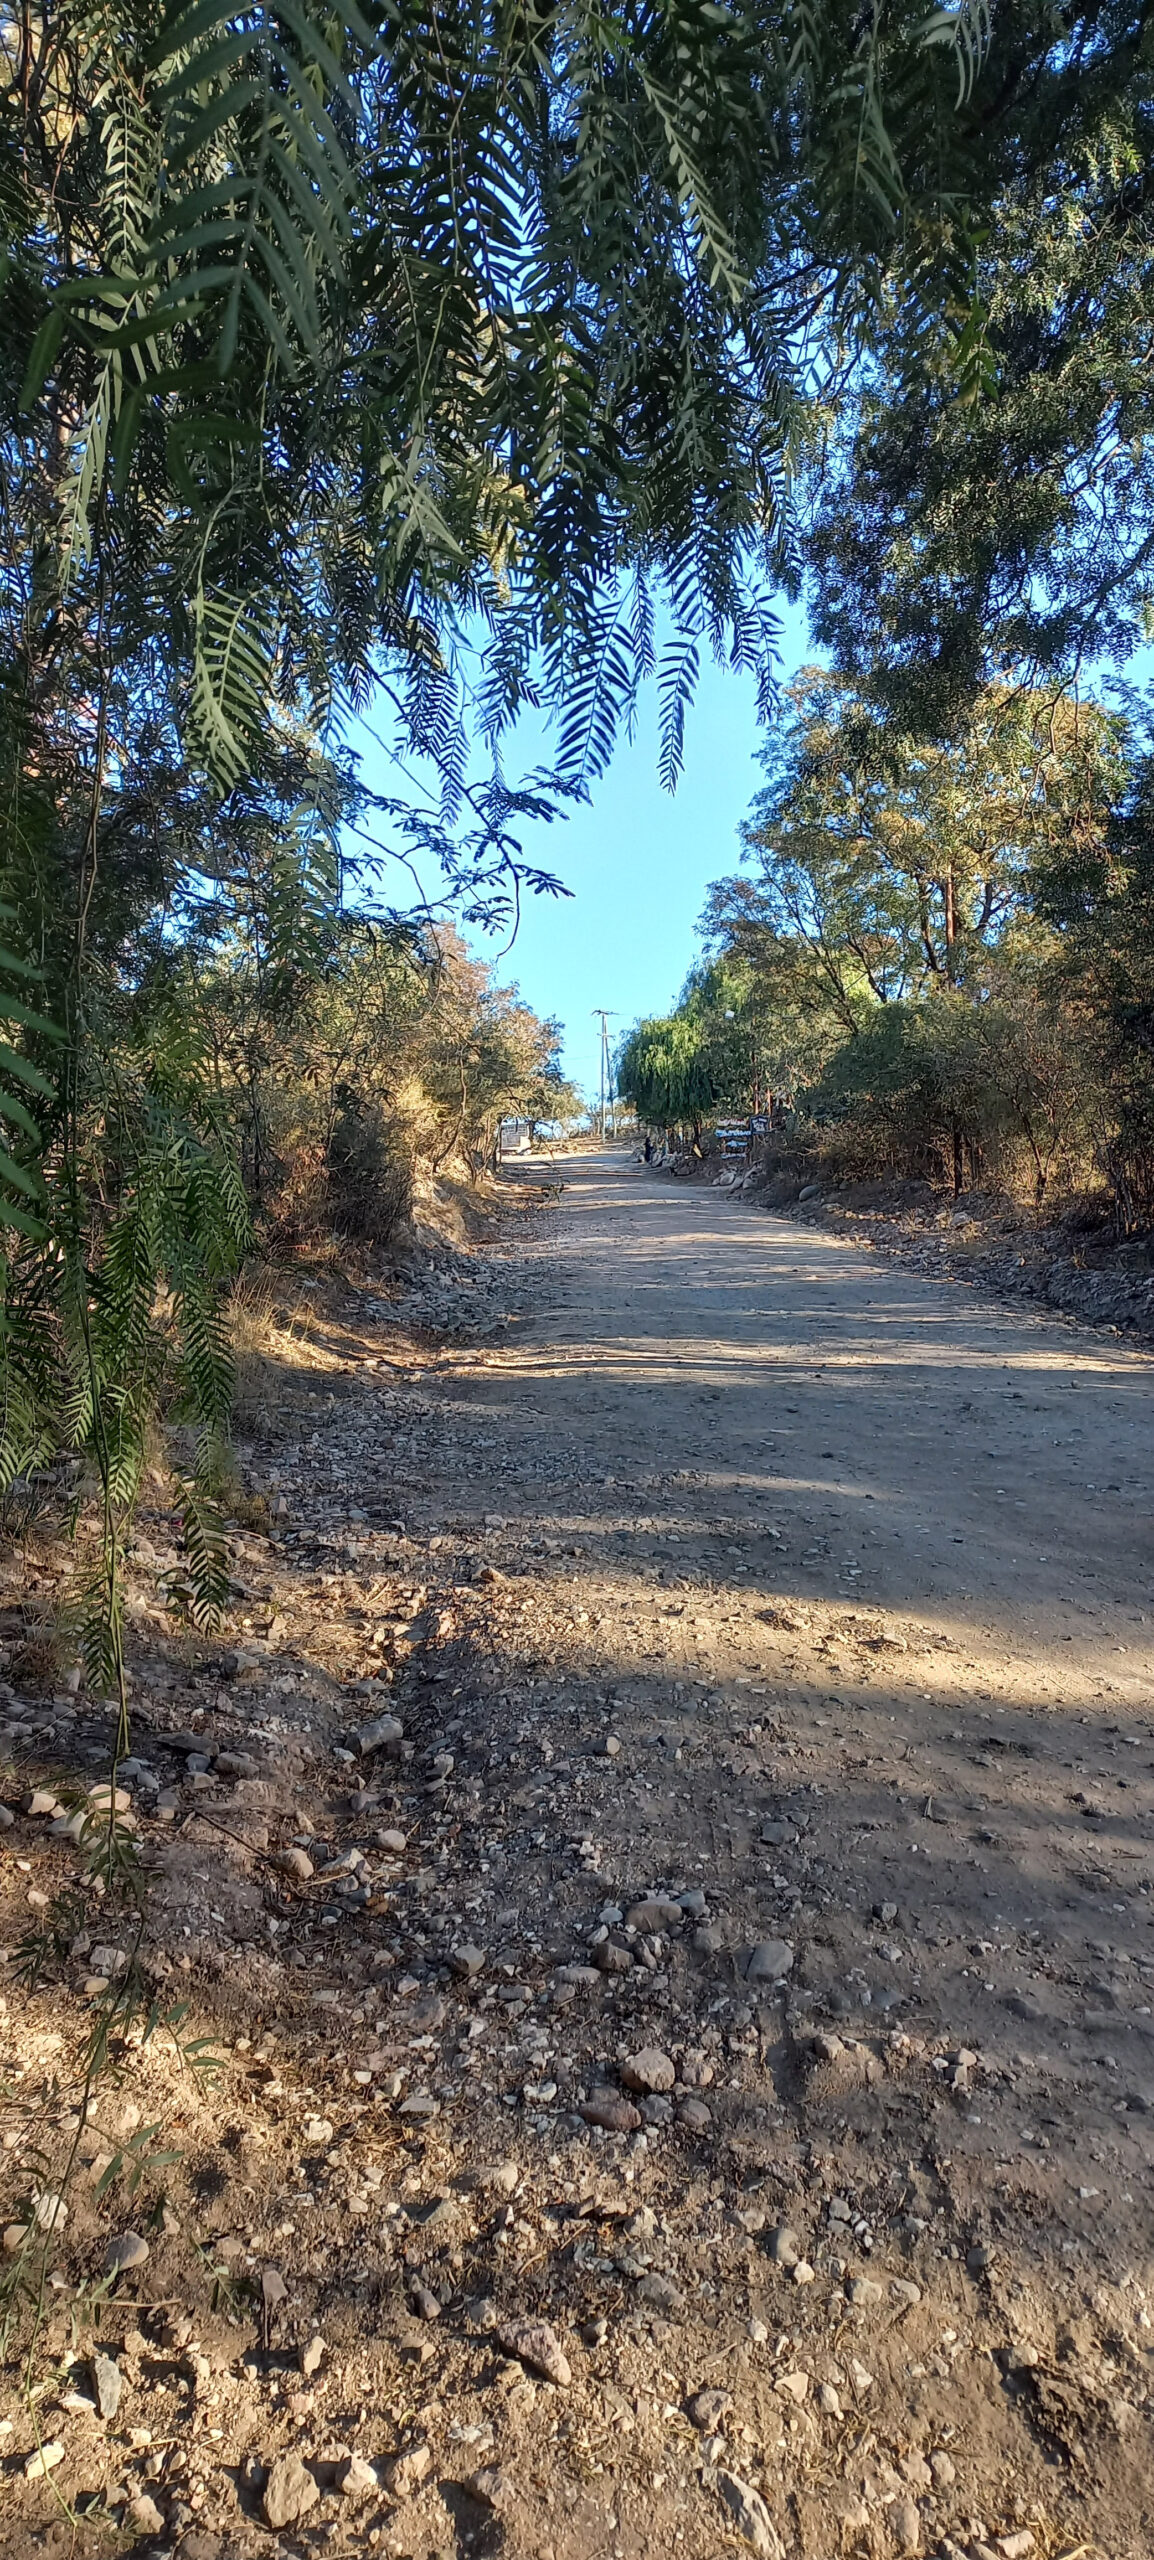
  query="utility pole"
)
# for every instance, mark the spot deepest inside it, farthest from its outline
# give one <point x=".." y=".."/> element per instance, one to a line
<point x="601" y="1015"/>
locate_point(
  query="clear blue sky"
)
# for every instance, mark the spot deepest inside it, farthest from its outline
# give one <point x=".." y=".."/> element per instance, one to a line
<point x="638" y="861"/>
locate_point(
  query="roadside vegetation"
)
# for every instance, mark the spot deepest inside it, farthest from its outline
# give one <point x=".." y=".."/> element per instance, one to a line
<point x="935" y="962"/>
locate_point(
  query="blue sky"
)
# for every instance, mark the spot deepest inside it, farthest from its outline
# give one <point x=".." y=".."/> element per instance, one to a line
<point x="638" y="861"/>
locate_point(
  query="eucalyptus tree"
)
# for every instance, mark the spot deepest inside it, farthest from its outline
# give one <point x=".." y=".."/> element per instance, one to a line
<point x="897" y="865"/>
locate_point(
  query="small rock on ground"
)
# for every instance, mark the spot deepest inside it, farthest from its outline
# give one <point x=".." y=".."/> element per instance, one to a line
<point x="128" y="2249"/>
<point x="536" y="2344"/>
<point x="751" y="2516"/>
<point x="290" y="2492"/>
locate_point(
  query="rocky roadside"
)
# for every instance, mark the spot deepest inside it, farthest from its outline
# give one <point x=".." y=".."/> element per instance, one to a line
<point x="980" y="1243"/>
<point x="599" y="2154"/>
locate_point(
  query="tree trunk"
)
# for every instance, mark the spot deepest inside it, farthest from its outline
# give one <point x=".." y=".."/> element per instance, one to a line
<point x="951" y="927"/>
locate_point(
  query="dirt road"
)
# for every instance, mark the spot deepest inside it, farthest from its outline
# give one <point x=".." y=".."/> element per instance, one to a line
<point x="744" y="1969"/>
<point x="1007" y="1461"/>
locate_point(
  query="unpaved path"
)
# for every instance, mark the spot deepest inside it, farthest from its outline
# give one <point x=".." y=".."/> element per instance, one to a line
<point x="799" y="1375"/>
<point x="742" y="1574"/>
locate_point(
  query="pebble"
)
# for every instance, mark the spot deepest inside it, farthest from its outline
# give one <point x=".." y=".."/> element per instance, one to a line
<point x="311" y="2357"/>
<point x="607" y="2108"/>
<point x="694" y="2115"/>
<point x="385" y="1733"/>
<point x="106" y="2383"/>
<point x="906" y="2525"/>
<point x="15" y="2235"/>
<point x="828" y="2401"/>
<point x="793" y="2386"/>
<point x="107" y="1799"/>
<point x="803" y="2273"/>
<point x="317" y="2130"/>
<point x="778" y="1835"/>
<point x="784" y="2246"/>
<point x="393" y="1841"/>
<point x="127" y="2249"/>
<point x="693" y="1903"/>
<point x="534" y="2343"/>
<point x="769" y="1961"/>
<point x="296" y="1862"/>
<point x="660" y="2293"/>
<point x="1017" y="2546"/>
<point x="290" y="2492"/>
<point x="503" y="2178"/>
<point x="50" y="2212"/>
<point x="426" y="2305"/>
<point x="43" y="2460"/>
<point x="491" y="2488"/>
<point x="654" y="1915"/>
<point x="864" y="2290"/>
<point x="611" y="1957"/>
<point x="706" y="2410"/>
<point x="945" y="2474"/>
<point x="467" y="1960"/>
<point x="42" y="1800"/>
<point x="145" y="2514"/>
<point x="978" y="2260"/>
<point x="7" y="1817"/>
<point x="750" y="2514"/>
<point x="902" y="2289"/>
<point x="407" y="2472"/>
<point x="108" y="1960"/>
<point x="710" y="1940"/>
<point x="650" y="2069"/>
<point x="357" y="2479"/>
<point x="657" y="2111"/>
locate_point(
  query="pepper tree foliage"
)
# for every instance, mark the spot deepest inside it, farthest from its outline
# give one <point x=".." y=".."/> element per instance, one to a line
<point x="329" y="339"/>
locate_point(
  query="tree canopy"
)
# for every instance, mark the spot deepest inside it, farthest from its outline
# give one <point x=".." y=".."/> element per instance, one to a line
<point x="959" y="533"/>
<point x="897" y="864"/>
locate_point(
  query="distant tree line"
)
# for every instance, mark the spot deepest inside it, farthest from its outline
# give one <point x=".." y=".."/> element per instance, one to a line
<point x="939" y="952"/>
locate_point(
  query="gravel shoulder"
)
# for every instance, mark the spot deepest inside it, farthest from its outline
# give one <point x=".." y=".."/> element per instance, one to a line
<point x="689" y="2086"/>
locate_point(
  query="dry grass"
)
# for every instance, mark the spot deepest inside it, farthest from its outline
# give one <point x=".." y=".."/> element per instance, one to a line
<point x="263" y="1331"/>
